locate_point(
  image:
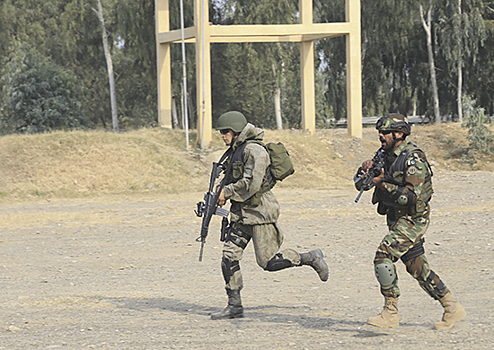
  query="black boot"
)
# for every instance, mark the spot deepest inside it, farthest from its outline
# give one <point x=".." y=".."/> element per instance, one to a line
<point x="234" y="308"/>
<point x="315" y="259"/>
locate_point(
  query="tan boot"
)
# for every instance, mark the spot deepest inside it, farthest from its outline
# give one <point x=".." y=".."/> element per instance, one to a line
<point x="453" y="312"/>
<point x="388" y="318"/>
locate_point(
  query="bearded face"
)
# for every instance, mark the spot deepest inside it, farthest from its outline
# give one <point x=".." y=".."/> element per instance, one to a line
<point x="388" y="139"/>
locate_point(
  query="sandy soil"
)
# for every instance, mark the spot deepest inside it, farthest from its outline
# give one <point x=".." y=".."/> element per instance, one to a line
<point x="123" y="273"/>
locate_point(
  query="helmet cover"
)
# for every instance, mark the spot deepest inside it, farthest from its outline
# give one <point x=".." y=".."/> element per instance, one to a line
<point x="232" y="120"/>
<point x="394" y="122"/>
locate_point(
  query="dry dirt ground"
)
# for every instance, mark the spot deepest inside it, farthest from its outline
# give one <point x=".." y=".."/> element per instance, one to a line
<point x="123" y="273"/>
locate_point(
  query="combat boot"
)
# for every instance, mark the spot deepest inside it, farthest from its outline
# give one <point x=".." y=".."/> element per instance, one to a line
<point x="234" y="308"/>
<point x="453" y="312"/>
<point x="315" y="259"/>
<point x="388" y="318"/>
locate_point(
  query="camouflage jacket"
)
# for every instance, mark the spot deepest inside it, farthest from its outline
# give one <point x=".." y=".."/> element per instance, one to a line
<point x="407" y="190"/>
<point x="247" y="177"/>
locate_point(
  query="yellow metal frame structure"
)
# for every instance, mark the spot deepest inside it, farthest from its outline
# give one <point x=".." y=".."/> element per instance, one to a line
<point x="305" y="32"/>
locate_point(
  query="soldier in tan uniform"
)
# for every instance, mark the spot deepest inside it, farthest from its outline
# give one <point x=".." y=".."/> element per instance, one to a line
<point x="254" y="214"/>
<point x="402" y="192"/>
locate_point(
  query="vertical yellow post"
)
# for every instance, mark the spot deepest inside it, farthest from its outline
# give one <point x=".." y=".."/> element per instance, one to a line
<point x="203" y="71"/>
<point x="354" y="61"/>
<point x="162" y="19"/>
<point x="307" y="72"/>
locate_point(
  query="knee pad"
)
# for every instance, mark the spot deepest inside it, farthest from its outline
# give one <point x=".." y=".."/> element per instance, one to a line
<point x="228" y="268"/>
<point x="385" y="274"/>
<point x="277" y="262"/>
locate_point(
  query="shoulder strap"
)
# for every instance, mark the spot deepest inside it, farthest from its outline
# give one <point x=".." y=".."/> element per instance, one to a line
<point x="238" y="154"/>
<point x="225" y="155"/>
<point x="400" y="163"/>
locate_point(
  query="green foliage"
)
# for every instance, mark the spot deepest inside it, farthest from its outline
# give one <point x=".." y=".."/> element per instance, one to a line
<point x="480" y="137"/>
<point x="459" y="34"/>
<point x="395" y="72"/>
<point x="39" y="95"/>
<point x="245" y="76"/>
<point x="135" y="62"/>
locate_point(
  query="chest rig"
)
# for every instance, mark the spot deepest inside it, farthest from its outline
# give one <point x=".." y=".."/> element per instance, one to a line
<point x="404" y="200"/>
<point x="236" y="162"/>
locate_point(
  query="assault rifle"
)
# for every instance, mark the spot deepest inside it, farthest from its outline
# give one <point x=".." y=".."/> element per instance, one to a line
<point x="365" y="181"/>
<point x="209" y="207"/>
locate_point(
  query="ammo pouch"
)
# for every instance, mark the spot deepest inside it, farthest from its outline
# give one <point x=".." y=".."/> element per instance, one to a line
<point x="382" y="209"/>
<point x="225" y="230"/>
<point x="267" y="184"/>
<point x="237" y="236"/>
<point x="237" y="170"/>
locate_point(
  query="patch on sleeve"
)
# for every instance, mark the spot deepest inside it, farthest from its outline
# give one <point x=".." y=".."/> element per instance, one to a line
<point x="412" y="170"/>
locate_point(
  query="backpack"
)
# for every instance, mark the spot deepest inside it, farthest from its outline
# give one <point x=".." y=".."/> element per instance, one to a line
<point x="280" y="168"/>
<point x="281" y="165"/>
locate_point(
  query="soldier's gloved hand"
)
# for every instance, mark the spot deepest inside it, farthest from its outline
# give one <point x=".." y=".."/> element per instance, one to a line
<point x="221" y="198"/>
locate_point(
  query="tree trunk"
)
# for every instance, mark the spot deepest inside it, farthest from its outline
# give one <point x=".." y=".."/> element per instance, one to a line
<point x="460" y="75"/>
<point x="277" y="102"/>
<point x="277" y="108"/>
<point x="184" y="105"/>
<point x="109" y="65"/>
<point x="460" y="83"/>
<point x="174" y="114"/>
<point x="427" y="28"/>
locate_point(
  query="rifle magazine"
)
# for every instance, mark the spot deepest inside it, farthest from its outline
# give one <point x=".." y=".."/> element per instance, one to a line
<point x="222" y="212"/>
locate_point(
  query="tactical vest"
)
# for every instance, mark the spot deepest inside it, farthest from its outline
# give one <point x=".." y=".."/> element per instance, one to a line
<point x="237" y="173"/>
<point x="396" y="175"/>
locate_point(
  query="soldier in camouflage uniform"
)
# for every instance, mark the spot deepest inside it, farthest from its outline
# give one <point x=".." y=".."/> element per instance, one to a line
<point x="403" y="191"/>
<point x="254" y="214"/>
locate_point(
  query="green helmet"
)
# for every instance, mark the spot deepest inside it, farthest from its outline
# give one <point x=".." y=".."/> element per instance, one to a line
<point x="394" y="122"/>
<point x="232" y="120"/>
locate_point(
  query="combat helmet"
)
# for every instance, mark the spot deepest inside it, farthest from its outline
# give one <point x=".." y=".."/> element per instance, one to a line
<point x="232" y="120"/>
<point x="394" y="122"/>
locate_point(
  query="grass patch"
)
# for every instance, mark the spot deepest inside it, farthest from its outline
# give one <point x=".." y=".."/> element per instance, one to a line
<point x="84" y="164"/>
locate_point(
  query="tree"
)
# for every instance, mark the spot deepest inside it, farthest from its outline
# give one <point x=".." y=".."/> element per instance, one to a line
<point x="109" y="65"/>
<point x="460" y="33"/>
<point x="80" y="49"/>
<point x="391" y="57"/>
<point x="479" y="80"/>
<point x="39" y="95"/>
<point x="258" y="77"/>
<point x="428" y="31"/>
<point x="135" y="61"/>
<point x="480" y="137"/>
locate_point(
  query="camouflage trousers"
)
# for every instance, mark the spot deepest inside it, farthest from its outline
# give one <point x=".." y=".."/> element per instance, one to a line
<point x="267" y="239"/>
<point x="403" y="235"/>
